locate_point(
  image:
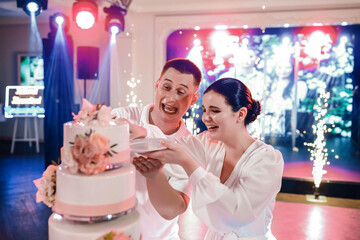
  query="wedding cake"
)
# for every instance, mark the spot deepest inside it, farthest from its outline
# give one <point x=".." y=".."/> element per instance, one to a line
<point x="92" y="191"/>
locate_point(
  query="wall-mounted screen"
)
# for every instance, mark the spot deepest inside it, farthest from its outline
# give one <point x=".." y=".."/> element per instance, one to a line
<point x="30" y="68"/>
<point x="24" y="101"/>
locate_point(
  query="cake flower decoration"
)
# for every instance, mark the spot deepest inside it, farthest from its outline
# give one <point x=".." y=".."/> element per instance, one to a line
<point x="89" y="154"/>
<point x="115" y="236"/>
<point x="90" y="151"/>
<point x="46" y="186"/>
<point x="94" y="114"/>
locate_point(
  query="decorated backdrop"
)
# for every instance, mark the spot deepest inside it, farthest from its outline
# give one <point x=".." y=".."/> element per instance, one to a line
<point x="305" y="77"/>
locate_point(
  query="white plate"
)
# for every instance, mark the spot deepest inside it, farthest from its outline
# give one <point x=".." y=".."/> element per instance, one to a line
<point x="146" y="145"/>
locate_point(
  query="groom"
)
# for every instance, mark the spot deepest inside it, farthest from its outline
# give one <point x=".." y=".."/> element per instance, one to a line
<point x="175" y="92"/>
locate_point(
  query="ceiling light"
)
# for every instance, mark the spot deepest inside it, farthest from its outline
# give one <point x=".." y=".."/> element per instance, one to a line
<point x="115" y="21"/>
<point x="85" y="13"/>
<point x="32" y="6"/>
<point x="59" y="20"/>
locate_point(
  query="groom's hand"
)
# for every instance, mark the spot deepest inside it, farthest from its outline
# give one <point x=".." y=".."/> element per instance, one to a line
<point x="148" y="167"/>
<point x="135" y="131"/>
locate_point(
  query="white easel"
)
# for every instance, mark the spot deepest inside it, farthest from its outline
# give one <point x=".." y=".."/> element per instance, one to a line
<point x="27" y="129"/>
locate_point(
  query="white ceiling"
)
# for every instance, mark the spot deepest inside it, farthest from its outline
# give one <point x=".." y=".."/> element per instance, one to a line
<point x="9" y="10"/>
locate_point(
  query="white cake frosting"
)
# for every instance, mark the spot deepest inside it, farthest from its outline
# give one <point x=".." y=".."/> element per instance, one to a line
<point x="62" y="229"/>
<point x="116" y="134"/>
<point x="95" y="183"/>
<point x="109" y="192"/>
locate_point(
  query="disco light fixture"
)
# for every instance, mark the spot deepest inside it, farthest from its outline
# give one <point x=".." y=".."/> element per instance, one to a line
<point x="115" y="21"/>
<point x="85" y="13"/>
<point x="32" y="6"/>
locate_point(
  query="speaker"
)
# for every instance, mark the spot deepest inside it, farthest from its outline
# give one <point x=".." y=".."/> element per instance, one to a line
<point x="87" y="62"/>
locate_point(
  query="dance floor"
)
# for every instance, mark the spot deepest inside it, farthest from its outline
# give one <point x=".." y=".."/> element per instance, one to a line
<point x="300" y="220"/>
<point x="295" y="221"/>
<point x="295" y="217"/>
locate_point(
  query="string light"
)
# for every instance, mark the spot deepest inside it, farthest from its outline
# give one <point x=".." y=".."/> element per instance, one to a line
<point x="132" y="98"/>
<point x="191" y="118"/>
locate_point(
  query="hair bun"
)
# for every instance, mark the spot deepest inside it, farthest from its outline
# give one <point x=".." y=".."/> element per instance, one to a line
<point x="256" y="106"/>
<point x="254" y="112"/>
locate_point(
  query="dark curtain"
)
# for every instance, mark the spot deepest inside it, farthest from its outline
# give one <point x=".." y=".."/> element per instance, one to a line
<point x="59" y="91"/>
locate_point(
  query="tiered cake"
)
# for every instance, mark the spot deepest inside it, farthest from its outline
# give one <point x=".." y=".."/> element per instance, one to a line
<point x="92" y="192"/>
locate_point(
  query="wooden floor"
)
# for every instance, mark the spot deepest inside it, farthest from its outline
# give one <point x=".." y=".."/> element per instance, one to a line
<point x="300" y="217"/>
<point x="293" y="221"/>
<point x="20" y="216"/>
<point x="295" y="216"/>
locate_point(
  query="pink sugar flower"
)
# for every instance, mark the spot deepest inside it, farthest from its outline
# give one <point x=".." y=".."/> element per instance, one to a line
<point x="67" y="159"/>
<point x="121" y="236"/>
<point x="78" y="149"/>
<point x="86" y="113"/>
<point x="94" y="114"/>
<point x="89" y="153"/>
<point x="114" y="236"/>
<point x="104" y="115"/>
<point x="95" y="165"/>
<point x="99" y="143"/>
<point x="46" y="186"/>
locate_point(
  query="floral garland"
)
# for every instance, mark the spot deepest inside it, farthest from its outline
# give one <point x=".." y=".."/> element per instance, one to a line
<point x="114" y="236"/>
<point x="46" y="186"/>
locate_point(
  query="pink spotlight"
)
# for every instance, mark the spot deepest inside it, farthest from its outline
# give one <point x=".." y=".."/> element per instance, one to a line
<point x="85" y="13"/>
<point x="85" y="20"/>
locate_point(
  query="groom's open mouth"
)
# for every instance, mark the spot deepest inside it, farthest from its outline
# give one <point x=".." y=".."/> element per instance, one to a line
<point x="169" y="109"/>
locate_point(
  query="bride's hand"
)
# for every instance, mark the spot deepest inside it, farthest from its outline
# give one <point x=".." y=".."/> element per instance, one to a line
<point x="174" y="153"/>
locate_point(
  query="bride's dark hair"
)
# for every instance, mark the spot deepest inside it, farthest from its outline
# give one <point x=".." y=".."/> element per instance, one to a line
<point x="237" y="95"/>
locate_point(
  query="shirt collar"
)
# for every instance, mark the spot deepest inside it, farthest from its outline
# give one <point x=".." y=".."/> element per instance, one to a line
<point x="145" y="119"/>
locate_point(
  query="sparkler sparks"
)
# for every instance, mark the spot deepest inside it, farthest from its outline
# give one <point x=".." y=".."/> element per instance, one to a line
<point x="131" y="98"/>
<point x="318" y="150"/>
